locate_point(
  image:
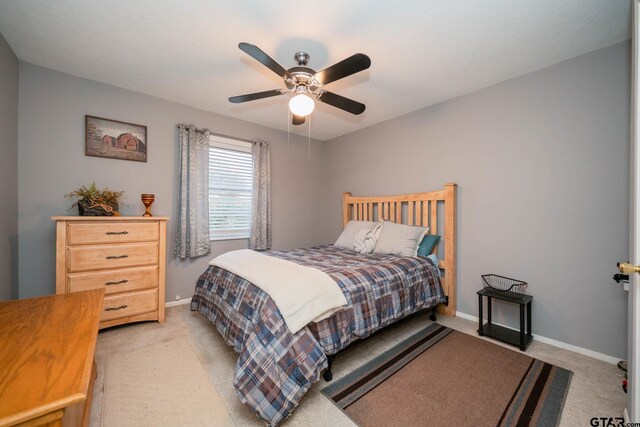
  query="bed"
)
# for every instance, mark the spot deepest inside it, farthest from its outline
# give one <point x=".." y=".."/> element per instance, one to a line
<point x="276" y="367"/>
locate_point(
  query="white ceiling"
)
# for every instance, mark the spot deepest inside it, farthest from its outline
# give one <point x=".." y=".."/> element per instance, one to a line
<point x="422" y="51"/>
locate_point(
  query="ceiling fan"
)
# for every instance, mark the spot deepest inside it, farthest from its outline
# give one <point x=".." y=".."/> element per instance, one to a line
<point x="305" y="82"/>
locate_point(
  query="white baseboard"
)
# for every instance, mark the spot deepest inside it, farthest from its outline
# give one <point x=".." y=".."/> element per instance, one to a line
<point x="179" y="302"/>
<point x="556" y="343"/>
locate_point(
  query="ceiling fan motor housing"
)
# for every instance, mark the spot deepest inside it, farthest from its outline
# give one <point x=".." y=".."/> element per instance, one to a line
<point x="301" y="77"/>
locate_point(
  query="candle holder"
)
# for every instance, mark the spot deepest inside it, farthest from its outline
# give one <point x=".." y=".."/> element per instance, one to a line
<point x="147" y="200"/>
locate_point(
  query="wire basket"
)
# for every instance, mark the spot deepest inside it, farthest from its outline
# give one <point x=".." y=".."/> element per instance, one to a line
<point x="504" y="285"/>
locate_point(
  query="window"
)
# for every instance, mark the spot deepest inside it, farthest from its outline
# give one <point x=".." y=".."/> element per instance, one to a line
<point x="230" y="183"/>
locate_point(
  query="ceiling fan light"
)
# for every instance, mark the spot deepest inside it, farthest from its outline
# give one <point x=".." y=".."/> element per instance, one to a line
<point x="301" y="105"/>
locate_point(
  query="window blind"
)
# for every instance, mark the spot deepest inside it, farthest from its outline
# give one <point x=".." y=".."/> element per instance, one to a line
<point x="230" y="185"/>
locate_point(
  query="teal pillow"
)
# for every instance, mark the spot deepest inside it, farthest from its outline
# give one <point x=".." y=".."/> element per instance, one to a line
<point x="428" y="243"/>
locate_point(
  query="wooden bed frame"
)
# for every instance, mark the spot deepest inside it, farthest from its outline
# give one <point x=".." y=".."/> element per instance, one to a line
<point x="412" y="209"/>
<point x="415" y="209"/>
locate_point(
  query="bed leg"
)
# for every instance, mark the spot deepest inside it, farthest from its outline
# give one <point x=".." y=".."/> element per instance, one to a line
<point x="432" y="316"/>
<point x="327" y="375"/>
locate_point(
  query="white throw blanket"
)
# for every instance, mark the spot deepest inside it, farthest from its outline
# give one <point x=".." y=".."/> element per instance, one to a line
<point x="302" y="294"/>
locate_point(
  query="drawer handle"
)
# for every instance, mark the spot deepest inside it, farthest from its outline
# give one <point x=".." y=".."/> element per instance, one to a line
<point x="110" y="233"/>
<point x="116" y="308"/>
<point x="116" y="283"/>
<point x="116" y="256"/>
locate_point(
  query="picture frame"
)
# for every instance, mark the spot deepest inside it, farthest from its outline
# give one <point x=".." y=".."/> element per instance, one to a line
<point x="115" y="139"/>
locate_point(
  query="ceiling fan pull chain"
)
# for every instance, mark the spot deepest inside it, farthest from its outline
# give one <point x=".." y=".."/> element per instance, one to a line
<point x="288" y="131"/>
<point x="309" y="148"/>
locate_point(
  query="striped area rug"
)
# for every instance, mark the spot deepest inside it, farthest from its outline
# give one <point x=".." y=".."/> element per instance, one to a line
<point x="440" y="376"/>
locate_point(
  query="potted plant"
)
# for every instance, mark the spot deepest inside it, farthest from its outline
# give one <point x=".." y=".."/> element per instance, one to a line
<point x="94" y="202"/>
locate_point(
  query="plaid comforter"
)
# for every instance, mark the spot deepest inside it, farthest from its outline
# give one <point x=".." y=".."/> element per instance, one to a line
<point x="276" y="368"/>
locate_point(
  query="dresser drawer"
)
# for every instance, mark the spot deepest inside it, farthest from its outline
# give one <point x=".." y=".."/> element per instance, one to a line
<point x="129" y="304"/>
<point x="84" y="258"/>
<point x="114" y="281"/>
<point x="112" y="232"/>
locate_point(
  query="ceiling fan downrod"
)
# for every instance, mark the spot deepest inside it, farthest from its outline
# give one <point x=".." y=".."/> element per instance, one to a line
<point x="302" y="58"/>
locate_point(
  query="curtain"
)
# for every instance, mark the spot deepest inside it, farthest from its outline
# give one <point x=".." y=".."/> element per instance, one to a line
<point x="260" y="232"/>
<point x="192" y="230"/>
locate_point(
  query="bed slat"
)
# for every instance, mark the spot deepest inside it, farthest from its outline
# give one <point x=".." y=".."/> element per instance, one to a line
<point x="425" y="213"/>
<point x="433" y="227"/>
<point x="410" y="213"/>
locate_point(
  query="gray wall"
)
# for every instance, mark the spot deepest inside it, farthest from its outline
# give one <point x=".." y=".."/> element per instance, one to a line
<point x="8" y="172"/>
<point x="541" y="163"/>
<point x="52" y="163"/>
<point x="542" y="167"/>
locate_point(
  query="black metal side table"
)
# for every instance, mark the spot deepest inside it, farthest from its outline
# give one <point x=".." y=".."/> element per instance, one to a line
<point x="519" y="339"/>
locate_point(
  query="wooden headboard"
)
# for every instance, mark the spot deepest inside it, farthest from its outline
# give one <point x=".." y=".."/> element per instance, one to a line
<point x="415" y="209"/>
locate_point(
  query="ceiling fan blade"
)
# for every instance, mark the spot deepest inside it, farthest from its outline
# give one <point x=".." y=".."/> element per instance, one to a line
<point x="256" y="53"/>
<point x="346" y="104"/>
<point x="297" y="120"/>
<point x="344" y="68"/>
<point x="253" y="96"/>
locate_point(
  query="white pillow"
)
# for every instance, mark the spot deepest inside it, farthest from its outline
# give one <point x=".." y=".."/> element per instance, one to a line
<point x="348" y="236"/>
<point x="400" y="239"/>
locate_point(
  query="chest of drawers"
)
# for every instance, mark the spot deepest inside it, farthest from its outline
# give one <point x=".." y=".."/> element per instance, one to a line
<point x="125" y="256"/>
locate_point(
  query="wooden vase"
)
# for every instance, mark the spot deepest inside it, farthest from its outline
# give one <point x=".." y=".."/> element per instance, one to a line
<point x="147" y="200"/>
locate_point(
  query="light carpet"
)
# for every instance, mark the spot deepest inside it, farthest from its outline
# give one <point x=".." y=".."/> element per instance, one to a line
<point x="595" y="387"/>
<point x="160" y="385"/>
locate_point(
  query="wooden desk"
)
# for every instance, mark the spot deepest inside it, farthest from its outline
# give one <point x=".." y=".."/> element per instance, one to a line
<point x="47" y="368"/>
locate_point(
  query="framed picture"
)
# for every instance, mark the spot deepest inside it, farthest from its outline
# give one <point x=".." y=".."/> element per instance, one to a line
<point x="114" y="139"/>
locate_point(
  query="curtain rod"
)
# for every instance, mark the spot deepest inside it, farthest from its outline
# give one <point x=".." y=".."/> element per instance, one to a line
<point x="224" y="136"/>
<point x="231" y="137"/>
